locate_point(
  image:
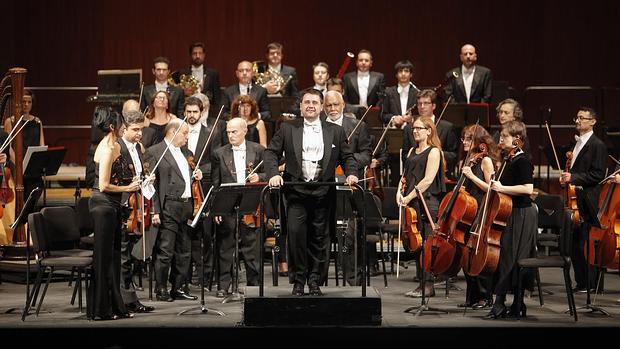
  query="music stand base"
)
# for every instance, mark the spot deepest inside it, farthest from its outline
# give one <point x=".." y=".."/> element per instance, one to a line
<point x="593" y="309"/>
<point x="424" y="307"/>
<point x="203" y="310"/>
<point x="233" y="297"/>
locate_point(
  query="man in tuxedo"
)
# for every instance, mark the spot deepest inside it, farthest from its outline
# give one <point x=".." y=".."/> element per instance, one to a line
<point x="469" y="83"/>
<point x="209" y="78"/>
<point x="335" y="84"/>
<point x="196" y="142"/>
<point x="233" y="163"/>
<point x="363" y="86"/>
<point x="172" y="208"/>
<point x="426" y="101"/>
<point x="587" y="169"/>
<point x="313" y="148"/>
<point x="245" y="86"/>
<point x="274" y="64"/>
<point x="400" y="99"/>
<point x="362" y="152"/>
<point x="320" y="75"/>
<point x="131" y="153"/>
<point x="161" y="70"/>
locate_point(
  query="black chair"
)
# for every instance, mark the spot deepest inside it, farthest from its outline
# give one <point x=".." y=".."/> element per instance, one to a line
<point x="556" y="218"/>
<point x="85" y="224"/>
<point x="61" y="223"/>
<point x="374" y="223"/>
<point x="389" y="211"/>
<point x="48" y="263"/>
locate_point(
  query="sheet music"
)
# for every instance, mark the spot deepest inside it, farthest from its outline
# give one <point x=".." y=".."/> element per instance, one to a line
<point x="29" y="152"/>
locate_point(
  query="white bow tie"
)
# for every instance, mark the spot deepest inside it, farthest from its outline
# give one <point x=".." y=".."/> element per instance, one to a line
<point x="234" y="148"/>
<point x="315" y="127"/>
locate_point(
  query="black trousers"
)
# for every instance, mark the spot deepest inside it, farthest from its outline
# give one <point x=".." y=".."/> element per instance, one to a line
<point x="128" y="290"/>
<point x="206" y="255"/>
<point x="173" y="246"/>
<point x="580" y="264"/>
<point x="307" y="219"/>
<point x="248" y="250"/>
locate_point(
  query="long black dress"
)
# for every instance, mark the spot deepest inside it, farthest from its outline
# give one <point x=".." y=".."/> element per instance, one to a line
<point x="104" y="296"/>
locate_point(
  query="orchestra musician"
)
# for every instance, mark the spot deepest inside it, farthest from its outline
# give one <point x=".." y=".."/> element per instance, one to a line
<point x="423" y="170"/>
<point x="161" y="70"/>
<point x="427" y="102"/>
<point x="510" y="110"/>
<point x="359" y="142"/>
<point x="518" y="239"/>
<point x="274" y="56"/>
<point x="363" y="87"/>
<point x="111" y="180"/>
<point x="172" y="208"/>
<point x="313" y="149"/>
<point x="588" y="167"/>
<point x="474" y="82"/>
<point x="209" y="78"/>
<point x="246" y="86"/>
<point x="232" y="163"/>
<point x="479" y="293"/>
<point x="400" y="99"/>
<point x="157" y="117"/>
<point x="132" y="153"/>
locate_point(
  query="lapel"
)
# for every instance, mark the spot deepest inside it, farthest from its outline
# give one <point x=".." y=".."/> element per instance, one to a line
<point x="170" y="159"/>
<point x="229" y="160"/>
<point x="253" y="91"/>
<point x="328" y="136"/>
<point x="411" y="99"/>
<point x="297" y="133"/>
<point x="460" y="83"/>
<point x="583" y="150"/>
<point x="348" y="125"/>
<point x="202" y="139"/>
<point x="250" y="157"/>
<point x="475" y="81"/>
<point x="372" y="81"/>
<point x="354" y="83"/>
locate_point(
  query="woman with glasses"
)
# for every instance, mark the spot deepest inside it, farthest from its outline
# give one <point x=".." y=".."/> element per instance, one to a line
<point x="157" y="116"/>
<point x="423" y="170"/>
<point x="479" y="293"/>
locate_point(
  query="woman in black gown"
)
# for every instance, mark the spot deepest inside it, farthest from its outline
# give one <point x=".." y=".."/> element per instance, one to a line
<point x="112" y="177"/>
<point x="246" y="108"/>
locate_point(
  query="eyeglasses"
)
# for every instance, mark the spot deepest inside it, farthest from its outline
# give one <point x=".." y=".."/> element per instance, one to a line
<point x="581" y="118"/>
<point x="161" y="98"/>
<point x="466" y="139"/>
<point x="418" y="129"/>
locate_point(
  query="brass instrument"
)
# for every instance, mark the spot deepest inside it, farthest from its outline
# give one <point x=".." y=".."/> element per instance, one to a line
<point x="263" y="73"/>
<point x="187" y="82"/>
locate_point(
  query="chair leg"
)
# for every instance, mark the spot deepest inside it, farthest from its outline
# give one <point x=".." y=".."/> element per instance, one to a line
<point x="540" y="292"/>
<point x="47" y="284"/>
<point x="75" y="289"/>
<point x="71" y="278"/>
<point x="569" y="292"/>
<point x="79" y="284"/>
<point x="30" y="299"/>
<point x="385" y="282"/>
<point x="517" y="296"/>
<point x="274" y="266"/>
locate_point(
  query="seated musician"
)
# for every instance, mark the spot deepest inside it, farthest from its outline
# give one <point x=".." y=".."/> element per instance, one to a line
<point x="233" y="163"/>
<point x="518" y="239"/>
<point x="423" y="170"/>
<point x="479" y="293"/>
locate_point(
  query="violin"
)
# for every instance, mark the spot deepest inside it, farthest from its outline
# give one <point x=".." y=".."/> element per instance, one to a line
<point x="457" y="211"/>
<point x="604" y="240"/>
<point x="571" y="196"/>
<point x="196" y="187"/>
<point x="481" y="254"/>
<point x="140" y="217"/>
<point x="252" y="220"/>
<point x="6" y="192"/>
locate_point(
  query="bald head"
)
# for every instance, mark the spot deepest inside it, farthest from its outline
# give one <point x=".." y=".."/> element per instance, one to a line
<point x="244" y="72"/>
<point x="468" y="55"/>
<point x="130" y="105"/>
<point x="236" y="129"/>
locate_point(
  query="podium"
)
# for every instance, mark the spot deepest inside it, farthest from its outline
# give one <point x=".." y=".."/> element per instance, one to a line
<point x="40" y="162"/>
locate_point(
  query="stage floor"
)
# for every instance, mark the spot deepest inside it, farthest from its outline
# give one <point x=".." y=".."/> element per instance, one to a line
<point x="59" y="318"/>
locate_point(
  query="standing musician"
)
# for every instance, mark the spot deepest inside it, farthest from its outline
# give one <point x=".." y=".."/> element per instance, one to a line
<point x="245" y="107"/>
<point x="510" y="110"/>
<point x="427" y="100"/>
<point x="479" y="293"/>
<point x="587" y="169"/>
<point x="172" y="208"/>
<point x="400" y="99"/>
<point x="423" y="170"/>
<point x="111" y="180"/>
<point x="313" y="149"/>
<point x="518" y="239"/>
<point x="232" y="163"/>
<point x="131" y="153"/>
<point x="161" y="70"/>
<point x="196" y="141"/>
<point x="360" y="145"/>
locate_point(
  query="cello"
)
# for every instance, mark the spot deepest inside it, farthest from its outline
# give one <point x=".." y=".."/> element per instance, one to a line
<point x="457" y="211"/>
<point x="481" y="254"/>
<point x="408" y="233"/>
<point x="603" y="240"/>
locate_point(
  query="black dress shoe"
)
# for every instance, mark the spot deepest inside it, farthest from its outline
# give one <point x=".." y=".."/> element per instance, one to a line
<point x="512" y="311"/>
<point x="298" y="289"/>
<point x="137" y="307"/>
<point x="283" y="273"/>
<point x="482" y="305"/>
<point x="163" y="296"/>
<point x="221" y="294"/>
<point x="314" y="289"/>
<point x="498" y="311"/>
<point x="182" y="295"/>
<point x="465" y="305"/>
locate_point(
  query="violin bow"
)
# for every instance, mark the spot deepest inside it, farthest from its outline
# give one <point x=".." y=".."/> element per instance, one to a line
<point x="169" y="144"/>
<point x="443" y="110"/>
<point x="210" y="135"/>
<point x="557" y="161"/>
<point x="358" y="123"/>
<point x="253" y="170"/>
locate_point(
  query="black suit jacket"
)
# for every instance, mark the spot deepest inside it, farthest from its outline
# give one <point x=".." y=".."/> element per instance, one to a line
<point x="588" y="170"/>
<point x="216" y="142"/>
<point x="449" y="143"/>
<point x="175" y="104"/>
<point x="169" y="180"/>
<point x="289" y="139"/>
<point x="481" y="86"/>
<point x="224" y="163"/>
<point x="211" y="85"/>
<point x="360" y="143"/>
<point x="259" y="94"/>
<point x="391" y="104"/>
<point x="127" y="158"/>
<point x="376" y="87"/>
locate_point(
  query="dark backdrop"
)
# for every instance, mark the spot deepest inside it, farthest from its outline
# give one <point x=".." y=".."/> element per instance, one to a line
<point x="64" y="43"/>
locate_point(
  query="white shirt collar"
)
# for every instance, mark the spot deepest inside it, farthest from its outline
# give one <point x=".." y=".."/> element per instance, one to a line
<point x="338" y="121"/>
<point x="277" y="68"/>
<point x="198" y="68"/>
<point x="172" y="146"/>
<point x="584" y="137"/>
<point x="129" y="144"/>
<point x="195" y="127"/>
<point x="466" y="70"/>
<point x="402" y="88"/>
<point x="362" y="74"/>
<point x="161" y="87"/>
<point x="241" y="147"/>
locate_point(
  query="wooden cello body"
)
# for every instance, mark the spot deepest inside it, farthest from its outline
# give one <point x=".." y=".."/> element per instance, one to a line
<point x="604" y="241"/>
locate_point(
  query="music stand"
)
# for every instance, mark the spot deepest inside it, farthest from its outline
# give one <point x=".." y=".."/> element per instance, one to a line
<point x="199" y="216"/>
<point x="40" y="162"/>
<point x="22" y="219"/>
<point x="281" y="105"/>
<point x="342" y="212"/>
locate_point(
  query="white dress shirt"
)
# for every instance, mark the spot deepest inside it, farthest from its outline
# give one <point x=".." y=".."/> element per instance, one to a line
<point x="135" y="158"/>
<point x="581" y="141"/>
<point x="183" y="166"/>
<point x="363" y="82"/>
<point x="244" y="89"/>
<point x="312" y="149"/>
<point x="337" y="121"/>
<point x="239" y="159"/>
<point x="468" y="78"/>
<point x="194" y="133"/>
<point x="403" y="91"/>
<point x="161" y="87"/>
<point x="198" y="73"/>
